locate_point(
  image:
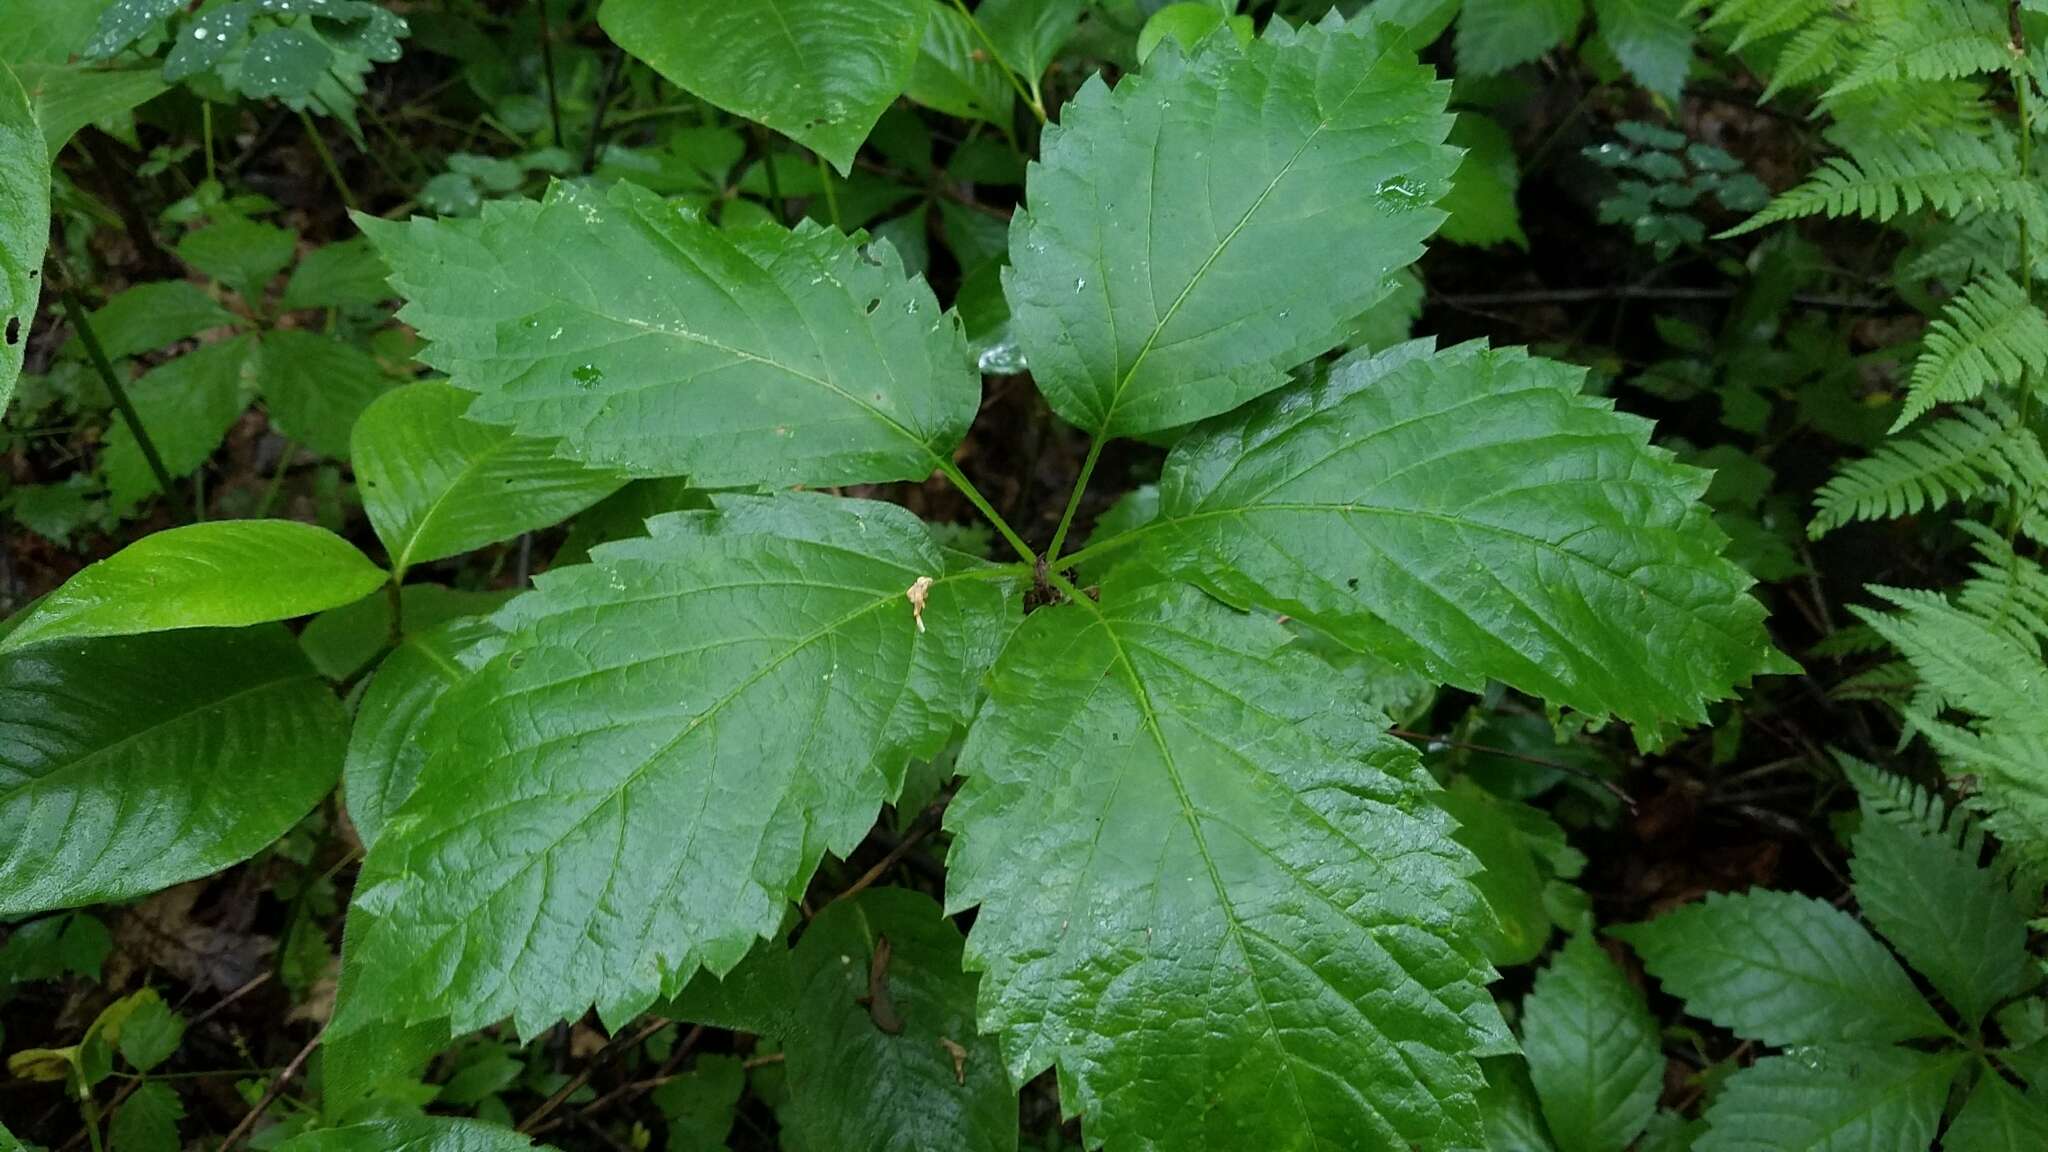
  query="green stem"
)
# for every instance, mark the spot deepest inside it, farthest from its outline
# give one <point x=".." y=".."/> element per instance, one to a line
<point x="776" y="207"/>
<point x="97" y="353"/>
<point x="1029" y="96"/>
<point x="1097" y="549"/>
<point x="831" y="195"/>
<point x="1059" y="535"/>
<point x="348" y="197"/>
<point x="547" y="60"/>
<point x="394" y="592"/>
<point x="91" y="1112"/>
<point x="951" y="471"/>
<point x="284" y="462"/>
<point x="206" y="121"/>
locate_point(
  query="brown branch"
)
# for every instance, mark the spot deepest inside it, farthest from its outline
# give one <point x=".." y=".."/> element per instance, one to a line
<point x="271" y="1093"/>
<point x="612" y="1047"/>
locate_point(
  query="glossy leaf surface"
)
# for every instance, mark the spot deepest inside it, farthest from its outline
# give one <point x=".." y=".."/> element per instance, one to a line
<point x="436" y="484"/>
<point x="644" y="777"/>
<point x="1212" y="891"/>
<point x="386" y="748"/>
<point x="1593" y="1050"/>
<point x="820" y="72"/>
<point x="651" y="342"/>
<point x="1828" y="1099"/>
<point x="134" y="763"/>
<point x="24" y="225"/>
<point x="1211" y="223"/>
<point x="1470" y="514"/>
<point x="224" y="574"/>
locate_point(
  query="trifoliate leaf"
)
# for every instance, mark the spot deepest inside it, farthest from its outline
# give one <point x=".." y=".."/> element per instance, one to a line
<point x="1782" y="968"/>
<point x="316" y="387"/>
<point x="1212" y="890"/>
<point x="1829" y="1099"/>
<point x="187" y="405"/>
<point x="651" y="342"/>
<point x="1923" y="883"/>
<point x="1593" y="1050"/>
<point x="223" y="574"/>
<point x="1472" y="515"/>
<point x="435" y="484"/>
<point x="1496" y="35"/>
<point x="645" y="776"/>
<point x="230" y="736"/>
<point x="822" y="80"/>
<point x="386" y="748"/>
<point x="1651" y="38"/>
<point x="1999" y="1118"/>
<point x="412" y="1134"/>
<point x="24" y="225"/>
<point x="882" y="1051"/>
<point x="1482" y="196"/>
<point x="1211" y="223"/>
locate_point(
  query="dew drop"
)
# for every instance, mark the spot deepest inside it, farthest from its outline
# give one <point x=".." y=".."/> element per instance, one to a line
<point x="1401" y="193"/>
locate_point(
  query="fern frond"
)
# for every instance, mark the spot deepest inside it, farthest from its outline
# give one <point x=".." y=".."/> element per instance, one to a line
<point x="1953" y="176"/>
<point x="1755" y="20"/>
<point x="2006" y="770"/>
<point x="1891" y="683"/>
<point x="1811" y="55"/>
<point x="1960" y="250"/>
<point x="1954" y="459"/>
<point x="1967" y="661"/>
<point x="1895" y="798"/>
<point x="1932" y="40"/>
<point x="1989" y="334"/>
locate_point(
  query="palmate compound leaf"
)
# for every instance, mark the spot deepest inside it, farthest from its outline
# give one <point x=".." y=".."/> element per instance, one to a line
<point x="222" y="574"/>
<point x="436" y="484"/>
<point x="650" y="342"/>
<point x="820" y="72"/>
<point x="1215" y="221"/>
<point x="1212" y="891"/>
<point x="1470" y="514"/>
<point x="133" y="763"/>
<point x="644" y="777"/>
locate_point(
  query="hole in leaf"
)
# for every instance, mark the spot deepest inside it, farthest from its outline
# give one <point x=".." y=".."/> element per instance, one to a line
<point x="13" y="330"/>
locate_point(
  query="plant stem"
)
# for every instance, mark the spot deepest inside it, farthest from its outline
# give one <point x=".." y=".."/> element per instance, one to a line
<point x="394" y="592"/>
<point x="952" y="472"/>
<point x="206" y="121"/>
<point x="284" y="462"/>
<point x="348" y="196"/>
<point x="547" y="60"/>
<point x="604" y="102"/>
<point x="1059" y="535"/>
<point x="776" y="207"/>
<point x="97" y="353"/>
<point x="1029" y="96"/>
<point x="831" y="196"/>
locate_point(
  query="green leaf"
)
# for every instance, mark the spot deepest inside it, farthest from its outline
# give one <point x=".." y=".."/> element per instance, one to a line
<point x="639" y="784"/>
<point x="820" y="72"/>
<point x="124" y="22"/>
<point x="757" y="996"/>
<point x="343" y="642"/>
<point x="653" y="343"/>
<point x="1212" y="890"/>
<point x="48" y="949"/>
<point x="147" y="1120"/>
<point x="1470" y="514"/>
<point x="187" y="405"/>
<point x="1593" y="1050"/>
<point x="224" y="574"/>
<point x="1496" y="35"/>
<point x="955" y="74"/>
<point x="69" y="98"/>
<point x="1652" y="39"/>
<point x="906" y="1069"/>
<point x="700" y="1104"/>
<point x="1998" y="1118"/>
<point x="230" y="736"/>
<point x="386" y="748"/>
<point x="1923" y="883"/>
<point x="1510" y="880"/>
<point x="1482" y="196"/>
<point x="347" y="274"/>
<point x="1782" y="968"/>
<point x="1510" y="1110"/>
<point x="150" y="1034"/>
<point x="1028" y="34"/>
<point x="24" y="225"/>
<point x="1832" y="1099"/>
<point x="1212" y="223"/>
<point x="436" y="485"/>
<point x="243" y="254"/>
<point x="411" y="1134"/>
<point x="1188" y="23"/>
<point x="147" y="317"/>
<point x="316" y="387"/>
